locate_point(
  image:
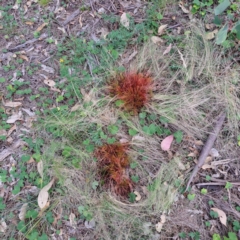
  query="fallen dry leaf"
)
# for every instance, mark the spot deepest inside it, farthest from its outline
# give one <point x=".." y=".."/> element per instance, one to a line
<point x="211" y="35"/>
<point x="80" y="21"/>
<point x="123" y="140"/>
<point x="214" y="152"/>
<point x="156" y="39"/>
<point x="49" y="82"/>
<point x="159" y="226"/>
<point x="209" y="26"/>
<point x="18" y="99"/>
<point x="104" y="32"/>
<point x="138" y="138"/>
<point x="208" y="159"/>
<point x="179" y="163"/>
<point x="192" y="154"/>
<point x="163" y="218"/>
<point x="39" y="29"/>
<point x="55" y="89"/>
<point x="182" y="7"/>
<point x="40" y="168"/>
<point x="3" y="226"/>
<point x="47" y="69"/>
<point x="29" y="112"/>
<point x="166" y="143"/>
<point x="90" y="224"/>
<point x="13" y="128"/>
<point x="124" y="20"/>
<point x="199" y="143"/>
<point x="9" y="140"/>
<point x="24" y="57"/>
<point x="72" y="219"/>
<point x="138" y="196"/>
<point x="206" y="166"/>
<point x="75" y="107"/>
<point x="3" y="132"/>
<point x="25" y="9"/>
<point x="31" y="160"/>
<point x="6" y="152"/>
<point x="15" y="6"/>
<point x="222" y="215"/>
<point x="161" y="29"/>
<point x="42" y="199"/>
<point x="23" y="211"/>
<point x="44" y="209"/>
<point x="12" y="104"/>
<point x="168" y="49"/>
<point x="43" y="194"/>
<point x="15" y="117"/>
<point x="29" y="23"/>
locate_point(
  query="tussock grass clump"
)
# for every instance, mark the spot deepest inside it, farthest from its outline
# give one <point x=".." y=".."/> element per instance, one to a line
<point x="112" y="163"/>
<point x="133" y="88"/>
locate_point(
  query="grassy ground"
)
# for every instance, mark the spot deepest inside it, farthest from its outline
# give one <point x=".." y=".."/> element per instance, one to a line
<point x="81" y="156"/>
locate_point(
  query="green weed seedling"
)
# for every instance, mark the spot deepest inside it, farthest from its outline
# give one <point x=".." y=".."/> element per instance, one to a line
<point x="192" y="235"/>
<point x="191" y="197"/>
<point x="131" y="197"/>
<point x="213" y="214"/>
<point x="178" y="136"/>
<point x="8" y="20"/>
<point x="228" y="185"/>
<point x="201" y="6"/>
<point x="238" y="140"/>
<point x="113" y="129"/>
<point x="2" y="80"/>
<point x="95" y="184"/>
<point x="85" y="213"/>
<point x="231" y="236"/>
<point x="208" y="178"/>
<point x="236" y="225"/>
<point x="135" y="179"/>
<point x="204" y="191"/>
<point x="207" y="224"/>
<point x="2" y="205"/>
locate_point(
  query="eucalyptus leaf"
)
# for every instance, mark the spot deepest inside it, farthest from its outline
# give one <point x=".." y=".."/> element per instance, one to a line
<point x="222" y="34"/>
<point x="222" y="7"/>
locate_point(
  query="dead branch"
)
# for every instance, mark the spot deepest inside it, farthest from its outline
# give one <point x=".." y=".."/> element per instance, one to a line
<point x="207" y="147"/>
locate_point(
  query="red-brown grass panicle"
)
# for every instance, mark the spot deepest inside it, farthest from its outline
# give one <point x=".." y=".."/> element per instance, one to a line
<point x="112" y="163"/>
<point x="134" y="89"/>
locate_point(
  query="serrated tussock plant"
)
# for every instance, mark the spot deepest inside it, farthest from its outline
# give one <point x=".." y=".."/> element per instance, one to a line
<point x="134" y="89"/>
<point x="112" y="164"/>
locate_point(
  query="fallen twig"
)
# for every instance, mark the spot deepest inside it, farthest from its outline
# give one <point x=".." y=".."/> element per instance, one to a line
<point x="71" y="17"/>
<point x="207" y="147"/>
<point x="19" y="47"/>
<point x="217" y="183"/>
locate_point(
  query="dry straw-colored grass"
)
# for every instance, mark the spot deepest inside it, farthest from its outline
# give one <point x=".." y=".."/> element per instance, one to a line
<point x="190" y="98"/>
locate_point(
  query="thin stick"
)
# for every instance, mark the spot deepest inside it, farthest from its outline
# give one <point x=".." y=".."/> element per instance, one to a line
<point x="71" y="17"/>
<point x="19" y="47"/>
<point x="207" y="147"/>
<point x="217" y="184"/>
